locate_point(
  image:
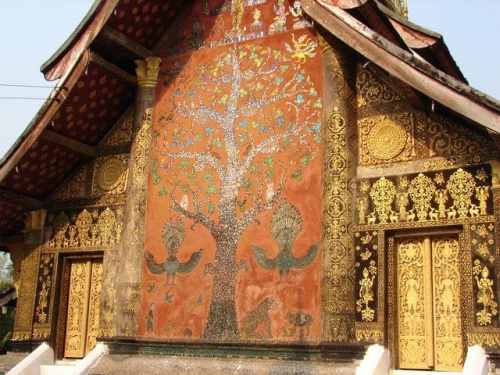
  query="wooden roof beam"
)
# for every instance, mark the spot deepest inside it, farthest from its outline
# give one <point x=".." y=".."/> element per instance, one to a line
<point x="113" y="69"/>
<point x="20" y="200"/>
<point x="69" y="143"/>
<point x="5" y="241"/>
<point x="115" y="37"/>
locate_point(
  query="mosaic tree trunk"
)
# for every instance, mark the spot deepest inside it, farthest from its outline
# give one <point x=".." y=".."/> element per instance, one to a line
<point x="237" y="127"/>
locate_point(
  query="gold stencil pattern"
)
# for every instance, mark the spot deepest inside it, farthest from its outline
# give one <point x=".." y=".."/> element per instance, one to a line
<point x="73" y="189"/>
<point x="372" y="90"/>
<point x="447" y="138"/>
<point x="45" y="280"/>
<point x="338" y="299"/>
<point x="429" y="309"/>
<point x="27" y="294"/>
<point x="462" y="194"/>
<point x="386" y="139"/>
<point x="110" y="175"/>
<point x="93" y="229"/>
<point x="122" y="132"/>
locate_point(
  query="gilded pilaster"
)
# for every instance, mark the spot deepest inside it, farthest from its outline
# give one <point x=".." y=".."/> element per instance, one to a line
<point x="33" y="237"/>
<point x="125" y="314"/>
<point x="340" y="161"/>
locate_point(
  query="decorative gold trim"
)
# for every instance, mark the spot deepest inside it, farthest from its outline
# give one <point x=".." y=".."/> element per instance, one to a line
<point x="147" y="71"/>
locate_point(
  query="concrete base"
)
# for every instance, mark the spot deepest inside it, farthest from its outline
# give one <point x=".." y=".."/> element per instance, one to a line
<point x="149" y="365"/>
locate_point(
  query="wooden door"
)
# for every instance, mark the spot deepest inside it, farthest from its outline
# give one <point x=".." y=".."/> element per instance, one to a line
<point x="428" y="304"/>
<point x="84" y="302"/>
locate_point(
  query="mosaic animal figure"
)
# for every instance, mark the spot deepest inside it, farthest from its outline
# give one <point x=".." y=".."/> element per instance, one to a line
<point x="173" y="235"/>
<point x="285" y="226"/>
<point x="259" y="315"/>
<point x="297" y="320"/>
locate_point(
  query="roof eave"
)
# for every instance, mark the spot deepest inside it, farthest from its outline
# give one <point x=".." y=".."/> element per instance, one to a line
<point x="443" y="88"/>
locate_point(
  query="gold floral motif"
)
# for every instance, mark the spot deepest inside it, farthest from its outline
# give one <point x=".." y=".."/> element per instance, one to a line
<point x="490" y="338"/>
<point x="60" y="226"/>
<point x="447" y="325"/>
<point x="422" y="191"/>
<point x="386" y="139"/>
<point x="337" y="290"/>
<point x="27" y="294"/>
<point x="383" y="193"/>
<point x="94" y="306"/>
<point x="121" y="133"/>
<point x="73" y="189"/>
<point x="372" y="90"/>
<point x="110" y="175"/>
<point x="447" y="138"/>
<point x="461" y="186"/>
<point x="87" y="230"/>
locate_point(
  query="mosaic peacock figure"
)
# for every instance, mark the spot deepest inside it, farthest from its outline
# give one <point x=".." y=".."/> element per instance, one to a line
<point x="285" y="226"/>
<point x="173" y="235"/>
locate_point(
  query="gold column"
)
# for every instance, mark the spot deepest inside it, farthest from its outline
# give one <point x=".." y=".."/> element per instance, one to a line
<point x="339" y="139"/>
<point x="33" y="238"/>
<point x="128" y="277"/>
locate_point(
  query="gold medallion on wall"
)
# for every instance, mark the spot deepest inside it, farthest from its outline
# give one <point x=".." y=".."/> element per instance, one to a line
<point x="110" y="175"/>
<point x="386" y="139"/>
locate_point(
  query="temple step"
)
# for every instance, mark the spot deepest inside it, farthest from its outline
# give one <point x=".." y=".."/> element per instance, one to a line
<point x="63" y="367"/>
<point x="146" y="364"/>
<point x="9" y="360"/>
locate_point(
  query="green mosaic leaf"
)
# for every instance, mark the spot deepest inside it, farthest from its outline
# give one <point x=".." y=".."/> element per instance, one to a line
<point x="162" y="192"/>
<point x="247" y="184"/>
<point x="297" y="175"/>
<point x="184" y="164"/>
<point x="305" y="160"/>
<point x="269" y="174"/>
<point x="211" y="208"/>
<point x="242" y="205"/>
<point x="211" y="189"/>
<point x="268" y="161"/>
<point x="185" y="188"/>
<point x="208" y="177"/>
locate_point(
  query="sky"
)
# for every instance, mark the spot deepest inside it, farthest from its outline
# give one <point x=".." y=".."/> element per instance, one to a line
<point x="32" y="30"/>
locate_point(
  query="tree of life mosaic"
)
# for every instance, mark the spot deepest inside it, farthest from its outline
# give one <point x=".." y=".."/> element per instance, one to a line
<point x="236" y="138"/>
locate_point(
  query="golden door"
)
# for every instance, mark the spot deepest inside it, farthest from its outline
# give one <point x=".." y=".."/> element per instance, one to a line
<point x="83" y="307"/>
<point x="428" y="304"/>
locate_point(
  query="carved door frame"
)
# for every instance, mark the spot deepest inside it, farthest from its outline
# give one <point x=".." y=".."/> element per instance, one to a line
<point x="62" y="290"/>
<point x="391" y="282"/>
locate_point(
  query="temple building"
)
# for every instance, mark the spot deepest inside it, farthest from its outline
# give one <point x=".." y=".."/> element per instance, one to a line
<point x="256" y="186"/>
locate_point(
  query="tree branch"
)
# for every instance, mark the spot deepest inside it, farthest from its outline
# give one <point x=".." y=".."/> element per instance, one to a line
<point x="203" y="158"/>
<point x="197" y="217"/>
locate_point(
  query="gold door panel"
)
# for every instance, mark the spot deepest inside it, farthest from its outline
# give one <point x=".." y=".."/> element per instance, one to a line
<point x="83" y="307"/>
<point x="428" y="304"/>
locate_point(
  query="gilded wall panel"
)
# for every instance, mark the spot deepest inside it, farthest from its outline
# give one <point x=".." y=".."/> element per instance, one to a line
<point x="447" y="138"/>
<point x="366" y="246"/>
<point x="43" y="300"/>
<point x="372" y="90"/>
<point x="121" y="133"/>
<point x="387" y="139"/>
<point x="27" y="293"/>
<point x="73" y="189"/>
<point x="110" y="175"/>
<point x="459" y="194"/>
<point x="92" y="229"/>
